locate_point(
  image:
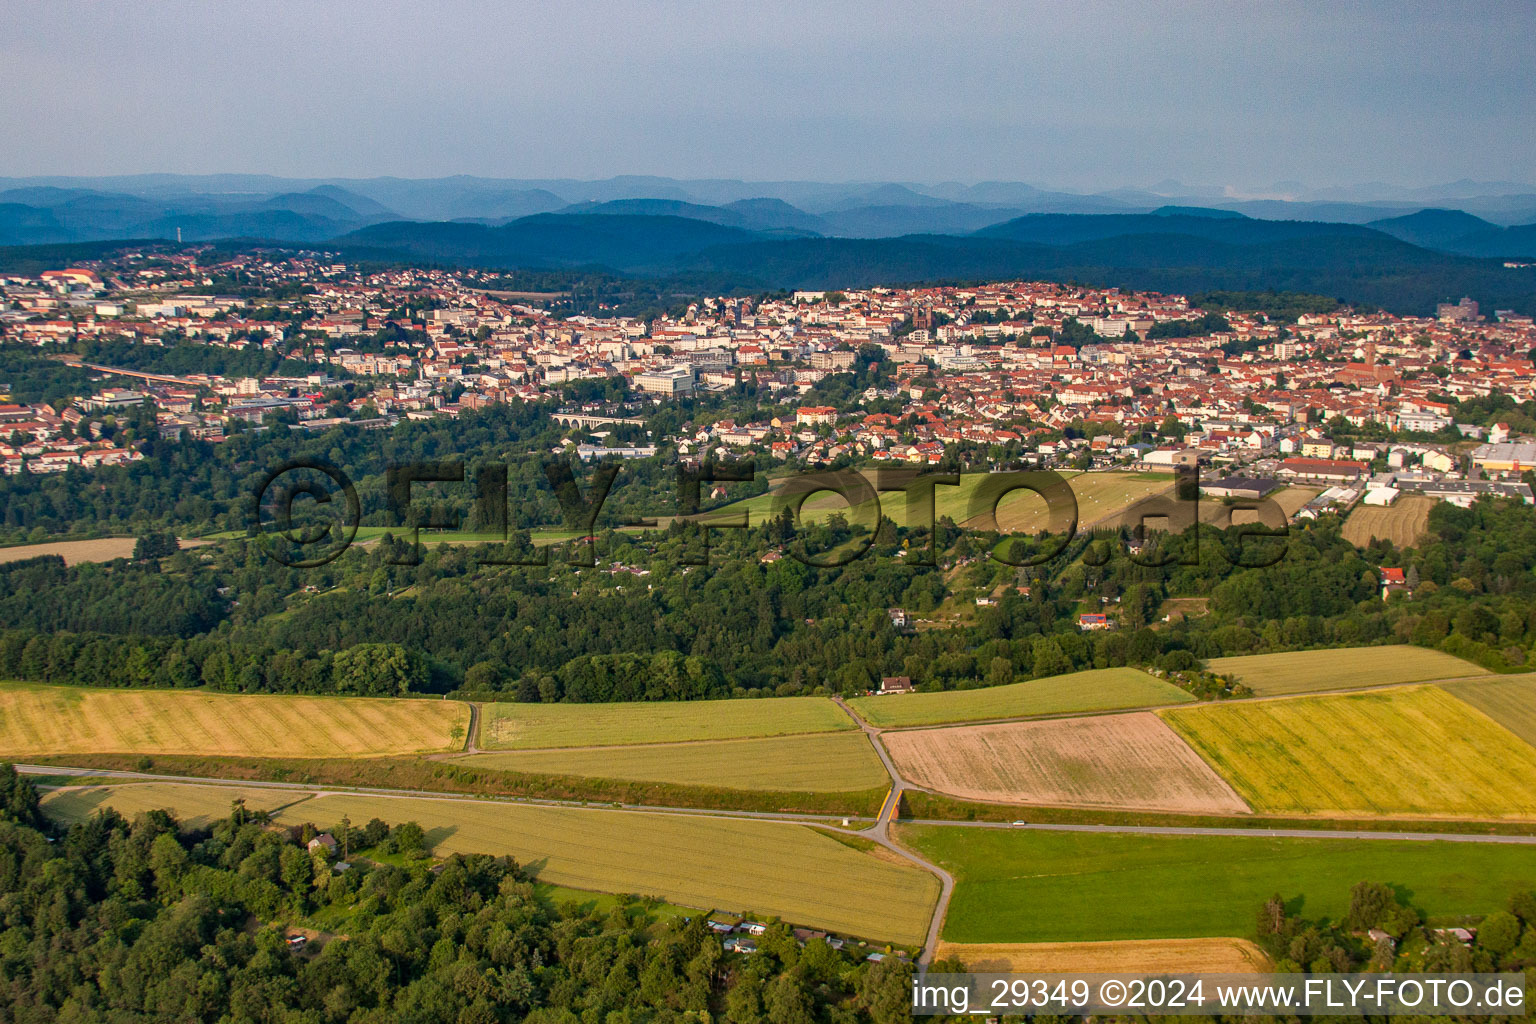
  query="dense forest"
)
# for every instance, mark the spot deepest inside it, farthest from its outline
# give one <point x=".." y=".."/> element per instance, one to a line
<point x="633" y="616"/>
<point x="134" y="921"/>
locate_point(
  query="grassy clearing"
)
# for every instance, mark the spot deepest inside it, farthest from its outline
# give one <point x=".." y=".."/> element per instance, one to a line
<point x="603" y="902"/>
<point x="838" y="762"/>
<point x="1033" y="886"/>
<point x="1345" y="668"/>
<point x="1411" y="751"/>
<point x="1104" y="689"/>
<point x="530" y="726"/>
<point x="66" y="720"/>
<point x="1403" y="522"/>
<point x="1116" y="761"/>
<point x="194" y="806"/>
<point x="1508" y="700"/>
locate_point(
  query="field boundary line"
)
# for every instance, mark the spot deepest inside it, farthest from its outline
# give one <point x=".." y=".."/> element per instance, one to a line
<point x="104" y="776"/>
<point x="1189" y="705"/>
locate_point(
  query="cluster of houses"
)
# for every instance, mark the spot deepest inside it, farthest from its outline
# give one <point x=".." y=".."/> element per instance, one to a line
<point x="980" y="368"/>
<point x="740" y="936"/>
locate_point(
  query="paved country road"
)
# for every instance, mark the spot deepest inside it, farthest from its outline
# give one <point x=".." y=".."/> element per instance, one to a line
<point x="881" y="833"/>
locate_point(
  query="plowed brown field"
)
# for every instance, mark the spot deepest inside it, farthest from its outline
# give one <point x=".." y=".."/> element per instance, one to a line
<point x="1121" y="761"/>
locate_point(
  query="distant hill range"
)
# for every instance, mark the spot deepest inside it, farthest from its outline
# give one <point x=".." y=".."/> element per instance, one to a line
<point x="1391" y="251"/>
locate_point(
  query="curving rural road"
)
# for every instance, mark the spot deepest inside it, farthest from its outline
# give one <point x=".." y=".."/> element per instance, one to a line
<point x="881" y="833"/>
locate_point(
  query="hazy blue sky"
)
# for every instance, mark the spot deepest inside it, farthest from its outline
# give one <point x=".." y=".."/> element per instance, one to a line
<point x="1063" y="93"/>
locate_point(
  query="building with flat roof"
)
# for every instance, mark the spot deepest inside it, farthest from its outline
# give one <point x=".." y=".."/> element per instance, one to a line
<point x="1507" y="458"/>
<point x="666" y="381"/>
<point x="1240" y="487"/>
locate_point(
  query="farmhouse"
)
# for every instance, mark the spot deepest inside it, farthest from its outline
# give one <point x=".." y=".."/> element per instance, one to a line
<point x="1393" y="581"/>
<point x="896" y="684"/>
<point x="1093" y="620"/>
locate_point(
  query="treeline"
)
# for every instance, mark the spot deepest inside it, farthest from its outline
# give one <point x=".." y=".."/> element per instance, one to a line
<point x="189" y="357"/>
<point x="30" y="377"/>
<point x="144" y="920"/>
<point x="1379" y="932"/>
<point x="84" y="659"/>
<point x="43" y="594"/>
<point x="1282" y="306"/>
<point x="1191" y="327"/>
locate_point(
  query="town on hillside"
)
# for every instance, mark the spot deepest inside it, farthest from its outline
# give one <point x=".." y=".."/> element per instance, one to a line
<point x="1368" y="405"/>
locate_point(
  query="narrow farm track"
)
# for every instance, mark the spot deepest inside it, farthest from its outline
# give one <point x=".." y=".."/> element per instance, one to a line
<point x="881" y="833"/>
<point x="472" y="731"/>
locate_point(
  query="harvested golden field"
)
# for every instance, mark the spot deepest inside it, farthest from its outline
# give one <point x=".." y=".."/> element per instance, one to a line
<point x="79" y="720"/>
<point x="1403" y="522"/>
<point x="529" y="726"/>
<point x="194" y="806"/>
<point x="1097" y="689"/>
<point x="1345" y="668"/>
<point x="1415" y="751"/>
<point x="1508" y="700"/>
<point x="1140" y="956"/>
<point x="101" y="549"/>
<point x="1131" y="762"/>
<point x="819" y="762"/>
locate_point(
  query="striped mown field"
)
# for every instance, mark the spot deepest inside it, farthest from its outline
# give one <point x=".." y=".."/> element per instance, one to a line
<point x="1100" y="689"/>
<point x="1403" y="522"/>
<point x="530" y="726"/>
<point x="37" y="720"/>
<point x="1341" y="668"/>
<point x="1414" y="751"/>
<point x="818" y="762"/>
